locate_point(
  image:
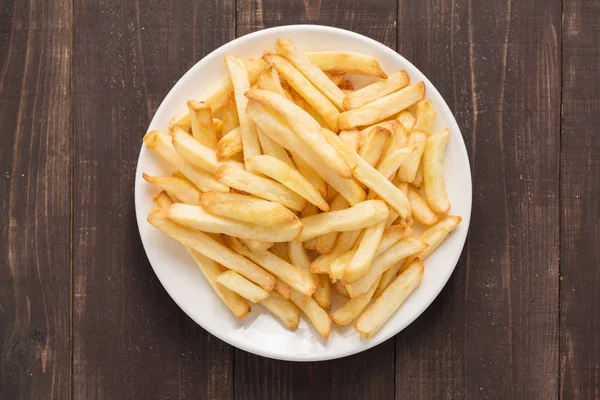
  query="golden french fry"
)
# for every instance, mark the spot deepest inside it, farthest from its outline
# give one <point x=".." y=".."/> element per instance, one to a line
<point x="374" y="145"/>
<point x="260" y="187"/>
<point x="283" y="289"/>
<point x="162" y="200"/>
<point x="349" y="62"/>
<point x="212" y="249"/>
<point x="420" y="209"/>
<point x="418" y="182"/>
<point x="402" y="249"/>
<point x="283" y="309"/>
<point x="351" y="137"/>
<point x="181" y="189"/>
<point x="390" y="300"/>
<point x="241" y="84"/>
<point x="247" y="209"/>
<point x="289" y="177"/>
<point x="353" y="307"/>
<point x="408" y="170"/>
<point x="299" y="258"/>
<point x="371" y="178"/>
<point x="304" y="126"/>
<point x="435" y="235"/>
<point x="305" y="88"/>
<point x="336" y="77"/>
<point x="376" y="90"/>
<point x="229" y="145"/>
<point x="322" y="294"/>
<point x="211" y="271"/>
<point x="341" y="289"/>
<point x="390" y="163"/>
<point x="345" y="242"/>
<point x="326" y="242"/>
<point x="280" y="132"/>
<point x="315" y="75"/>
<point x="382" y="108"/>
<point x="217" y="94"/>
<point x="425" y="117"/>
<point x="198" y="155"/>
<point x="391" y="125"/>
<point x="303" y="104"/>
<point x="309" y="210"/>
<point x="272" y="148"/>
<point x="162" y="144"/>
<point x="339" y="265"/>
<point x="258" y="244"/>
<point x="406" y="119"/>
<point x="361" y="261"/>
<point x="360" y="216"/>
<point x="202" y="124"/>
<point x="198" y="218"/>
<point x="242" y="286"/>
<point x="316" y="314"/>
<point x="293" y="276"/>
<point x="309" y="173"/>
<point x="433" y="172"/>
<point x="269" y="80"/>
<point x="397" y="141"/>
<point x="230" y="115"/>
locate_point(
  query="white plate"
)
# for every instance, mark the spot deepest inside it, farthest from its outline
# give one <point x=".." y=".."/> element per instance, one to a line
<point x="259" y="332"/>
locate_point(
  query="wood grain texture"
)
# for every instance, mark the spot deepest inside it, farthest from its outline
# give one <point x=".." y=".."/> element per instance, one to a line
<point x="493" y="331"/>
<point x="580" y="208"/>
<point x="368" y="375"/>
<point x="130" y="339"/>
<point x="35" y="205"/>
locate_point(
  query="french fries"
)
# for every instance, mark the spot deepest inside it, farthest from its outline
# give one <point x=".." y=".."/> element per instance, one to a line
<point x="402" y="249"/>
<point x="179" y="188"/>
<point x="241" y="84"/>
<point x="305" y="88"/>
<point x="382" y="108"/>
<point x="212" y="249"/>
<point x="283" y="309"/>
<point x="390" y="300"/>
<point x="271" y="203"/>
<point x="289" y="177"/>
<point x="242" y="286"/>
<point x="198" y="218"/>
<point x="359" y="216"/>
<point x="376" y="90"/>
<point x="229" y="145"/>
<point x="217" y="94"/>
<point x="433" y="172"/>
<point x="202" y="124"/>
<point x="314" y="312"/>
<point x="197" y="154"/>
<point x="345" y="61"/>
<point x="281" y="132"/>
<point x="246" y="209"/>
<point x="161" y="144"/>
<point x="304" y="126"/>
<point x="260" y="187"/>
<point x="317" y="77"/>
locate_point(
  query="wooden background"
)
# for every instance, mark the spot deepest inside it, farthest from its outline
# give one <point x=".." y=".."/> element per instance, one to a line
<point x="83" y="316"/>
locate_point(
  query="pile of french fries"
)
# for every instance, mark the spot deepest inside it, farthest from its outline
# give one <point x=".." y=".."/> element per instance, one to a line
<point x="289" y="183"/>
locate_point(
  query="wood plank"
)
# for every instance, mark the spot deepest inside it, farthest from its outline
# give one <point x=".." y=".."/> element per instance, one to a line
<point x="367" y="375"/>
<point x="580" y="209"/>
<point x="493" y="332"/>
<point x="130" y="339"/>
<point x="35" y="206"/>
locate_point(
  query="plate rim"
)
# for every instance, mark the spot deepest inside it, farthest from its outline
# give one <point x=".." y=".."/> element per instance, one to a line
<point x="373" y="341"/>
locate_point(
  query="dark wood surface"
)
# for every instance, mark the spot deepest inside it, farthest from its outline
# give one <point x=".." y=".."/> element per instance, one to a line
<point x="83" y="316"/>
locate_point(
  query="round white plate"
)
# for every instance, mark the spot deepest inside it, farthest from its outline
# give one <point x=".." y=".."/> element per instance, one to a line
<point x="259" y="332"/>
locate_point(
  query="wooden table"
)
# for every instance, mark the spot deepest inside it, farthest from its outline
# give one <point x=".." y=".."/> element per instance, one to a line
<point x="82" y="314"/>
